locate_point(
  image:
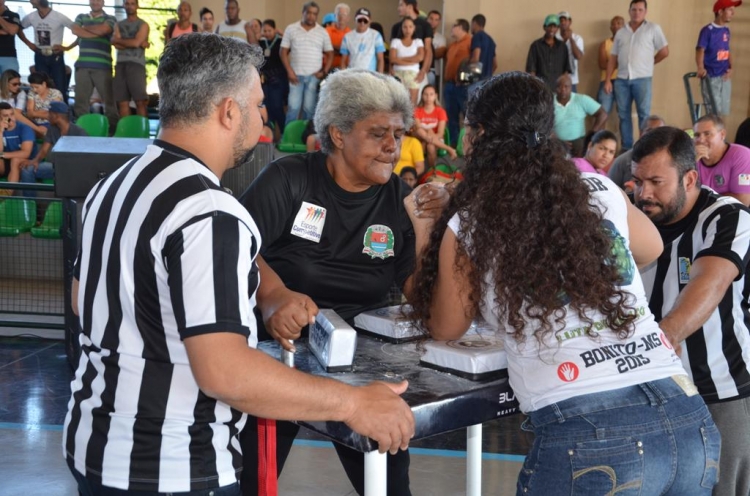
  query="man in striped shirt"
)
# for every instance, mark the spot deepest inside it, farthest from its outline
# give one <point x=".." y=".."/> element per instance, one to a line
<point x="168" y="281"/>
<point x="94" y="64"/>
<point x="698" y="288"/>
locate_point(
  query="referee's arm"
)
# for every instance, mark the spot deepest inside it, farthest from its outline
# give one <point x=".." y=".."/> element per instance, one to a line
<point x="710" y="277"/>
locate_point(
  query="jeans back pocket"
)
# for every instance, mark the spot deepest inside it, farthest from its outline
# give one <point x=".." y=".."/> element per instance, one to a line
<point x="609" y="466"/>
<point x="712" y="445"/>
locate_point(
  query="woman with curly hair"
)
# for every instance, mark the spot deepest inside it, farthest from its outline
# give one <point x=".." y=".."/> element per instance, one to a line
<point x="547" y="256"/>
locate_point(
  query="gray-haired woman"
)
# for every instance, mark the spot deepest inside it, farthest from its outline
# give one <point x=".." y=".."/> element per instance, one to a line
<point x="336" y="234"/>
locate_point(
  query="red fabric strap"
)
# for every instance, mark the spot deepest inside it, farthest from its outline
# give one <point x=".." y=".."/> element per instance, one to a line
<point x="267" y="478"/>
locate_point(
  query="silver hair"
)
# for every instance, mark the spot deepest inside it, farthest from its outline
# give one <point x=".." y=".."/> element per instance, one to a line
<point x="198" y="70"/>
<point x="341" y="6"/>
<point x="352" y="95"/>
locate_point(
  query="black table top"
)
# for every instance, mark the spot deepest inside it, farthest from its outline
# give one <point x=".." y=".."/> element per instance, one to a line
<point x="441" y="402"/>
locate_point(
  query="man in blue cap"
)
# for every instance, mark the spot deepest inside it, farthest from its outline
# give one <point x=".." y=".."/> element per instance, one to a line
<point x="548" y="57"/>
<point x="39" y="165"/>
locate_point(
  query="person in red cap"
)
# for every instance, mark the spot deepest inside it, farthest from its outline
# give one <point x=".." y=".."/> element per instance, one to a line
<point x="713" y="58"/>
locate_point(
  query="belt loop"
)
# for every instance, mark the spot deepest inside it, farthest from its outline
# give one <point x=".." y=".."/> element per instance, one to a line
<point x="649" y="394"/>
<point x="558" y="413"/>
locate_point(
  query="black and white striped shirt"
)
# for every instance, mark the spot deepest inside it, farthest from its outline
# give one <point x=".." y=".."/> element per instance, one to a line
<point x="166" y="254"/>
<point x="717" y="356"/>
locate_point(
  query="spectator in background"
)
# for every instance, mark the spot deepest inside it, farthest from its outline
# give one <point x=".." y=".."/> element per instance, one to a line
<point x="49" y="26"/>
<point x="233" y="26"/>
<point x="12" y="93"/>
<point x="338" y="30"/>
<point x="376" y="26"/>
<point x="574" y="44"/>
<point x="363" y="48"/>
<point x="455" y="92"/>
<point x="40" y="165"/>
<point x="17" y="144"/>
<point x="328" y="19"/>
<point x="432" y="119"/>
<point x="637" y="47"/>
<point x="722" y="166"/>
<point x="482" y="46"/>
<point x="131" y="40"/>
<point x="10" y="23"/>
<point x="307" y="55"/>
<point x="94" y="64"/>
<point x="40" y="97"/>
<point x="743" y="133"/>
<point x="406" y="54"/>
<point x="713" y="57"/>
<point x="183" y="25"/>
<point x="411" y="155"/>
<point x="571" y="110"/>
<point x="273" y="75"/>
<point x="439" y="48"/>
<point x="548" y="57"/>
<point x="409" y="176"/>
<point x="600" y="153"/>
<point x="256" y="26"/>
<point x="608" y="99"/>
<point x="422" y="30"/>
<point x="207" y="20"/>
<point x="621" y="171"/>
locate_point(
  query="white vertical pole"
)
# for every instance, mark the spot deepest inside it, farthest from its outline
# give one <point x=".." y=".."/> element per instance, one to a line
<point x="376" y="473"/>
<point x="474" y="460"/>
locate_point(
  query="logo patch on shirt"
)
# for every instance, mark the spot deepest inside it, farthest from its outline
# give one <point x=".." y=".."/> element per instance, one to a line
<point x="684" y="263"/>
<point x="719" y="180"/>
<point x="309" y="222"/>
<point x="568" y="372"/>
<point x="379" y="242"/>
<point x="744" y="180"/>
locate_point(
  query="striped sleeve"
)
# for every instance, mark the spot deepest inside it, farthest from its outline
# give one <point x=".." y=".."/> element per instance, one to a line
<point x="726" y="234"/>
<point x="210" y="263"/>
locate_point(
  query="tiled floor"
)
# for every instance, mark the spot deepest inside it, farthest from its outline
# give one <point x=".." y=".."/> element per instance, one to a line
<point x="34" y="391"/>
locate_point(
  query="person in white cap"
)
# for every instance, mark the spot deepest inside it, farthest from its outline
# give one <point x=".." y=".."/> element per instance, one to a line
<point x="363" y="48"/>
<point x="574" y="43"/>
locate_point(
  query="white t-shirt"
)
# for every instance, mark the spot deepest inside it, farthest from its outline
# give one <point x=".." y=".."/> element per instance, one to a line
<point x="306" y="47"/>
<point x="48" y="30"/>
<point x="578" y="40"/>
<point x="571" y="363"/>
<point x="635" y="50"/>
<point x="404" y="51"/>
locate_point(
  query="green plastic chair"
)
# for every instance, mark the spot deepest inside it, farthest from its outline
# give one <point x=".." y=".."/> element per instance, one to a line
<point x="447" y="141"/>
<point x="94" y="124"/>
<point x="291" y="141"/>
<point x="52" y="223"/>
<point x="16" y="216"/>
<point x="133" y="126"/>
<point x="460" y="145"/>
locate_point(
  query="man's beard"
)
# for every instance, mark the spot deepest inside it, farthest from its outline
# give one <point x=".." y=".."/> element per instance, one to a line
<point x="669" y="211"/>
<point x="240" y="154"/>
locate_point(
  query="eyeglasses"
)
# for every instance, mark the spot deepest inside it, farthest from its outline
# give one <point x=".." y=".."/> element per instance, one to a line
<point x="363" y="21"/>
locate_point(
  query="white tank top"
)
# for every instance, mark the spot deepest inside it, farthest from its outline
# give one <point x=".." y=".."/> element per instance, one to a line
<point x="571" y="363"/>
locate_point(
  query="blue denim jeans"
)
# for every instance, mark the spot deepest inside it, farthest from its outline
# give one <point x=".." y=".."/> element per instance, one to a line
<point x="8" y="63"/>
<point x="454" y="100"/>
<point x="54" y="67"/>
<point x="29" y="175"/>
<point x="275" y="95"/>
<point x="89" y="488"/>
<point x="303" y="95"/>
<point x="626" y="92"/>
<point x="606" y="99"/>
<point x="640" y="440"/>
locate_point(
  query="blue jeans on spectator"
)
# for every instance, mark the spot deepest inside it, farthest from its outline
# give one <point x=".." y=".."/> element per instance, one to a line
<point x="89" y="488"/>
<point x="274" y="95"/>
<point x="454" y="100"/>
<point x="607" y="100"/>
<point x="54" y="66"/>
<point x="303" y="95"/>
<point x="646" y="439"/>
<point x="8" y="63"/>
<point x="627" y="91"/>
<point x="29" y="175"/>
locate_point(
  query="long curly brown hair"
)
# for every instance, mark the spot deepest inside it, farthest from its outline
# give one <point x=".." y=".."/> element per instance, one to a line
<point x="526" y="219"/>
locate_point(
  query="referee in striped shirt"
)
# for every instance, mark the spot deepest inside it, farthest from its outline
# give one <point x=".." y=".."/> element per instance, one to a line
<point x="168" y="282"/>
<point x="699" y="287"/>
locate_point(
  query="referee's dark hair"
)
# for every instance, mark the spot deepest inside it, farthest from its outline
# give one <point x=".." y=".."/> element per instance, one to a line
<point x="198" y="70"/>
<point x="677" y="143"/>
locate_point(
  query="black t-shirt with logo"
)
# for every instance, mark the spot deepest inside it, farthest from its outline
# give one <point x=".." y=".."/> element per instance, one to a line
<point x="344" y="250"/>
<point x="8" y="41"/>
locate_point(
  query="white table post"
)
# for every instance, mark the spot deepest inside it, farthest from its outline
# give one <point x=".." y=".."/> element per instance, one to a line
<point x="376" y="473"/>
<point x="474" y="460"/>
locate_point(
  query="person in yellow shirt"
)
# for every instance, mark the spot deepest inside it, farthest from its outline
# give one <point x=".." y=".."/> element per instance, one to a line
<point x="412" y="155"/>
